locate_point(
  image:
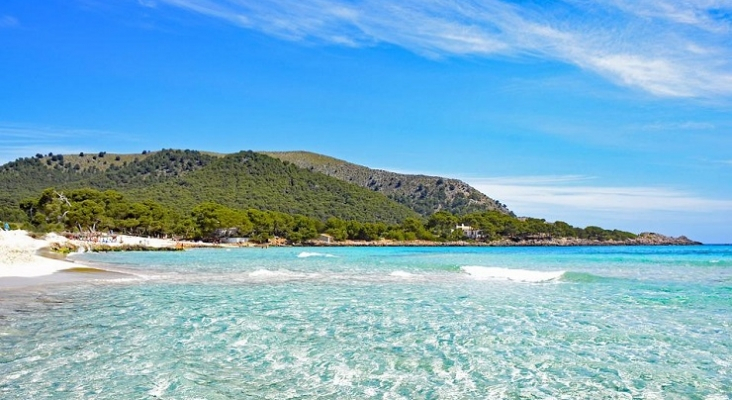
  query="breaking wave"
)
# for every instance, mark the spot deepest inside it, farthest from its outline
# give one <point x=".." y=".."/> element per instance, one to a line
<point x="306" y="254"/>
<point x="510" y="274"/>
<point x="401" y="274"/>
<point x="266" y="273"/>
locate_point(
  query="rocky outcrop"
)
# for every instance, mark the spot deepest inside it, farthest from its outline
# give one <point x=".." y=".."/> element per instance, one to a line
<point x="421" y="193"/>
<point x="649" y="238"/>
<point x="644" y="239"/>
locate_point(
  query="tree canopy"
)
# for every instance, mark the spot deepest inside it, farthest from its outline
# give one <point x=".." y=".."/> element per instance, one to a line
<point x="91" y="210"/>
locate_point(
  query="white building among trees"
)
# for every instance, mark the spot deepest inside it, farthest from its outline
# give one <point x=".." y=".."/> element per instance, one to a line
<point x="470" y="232"/>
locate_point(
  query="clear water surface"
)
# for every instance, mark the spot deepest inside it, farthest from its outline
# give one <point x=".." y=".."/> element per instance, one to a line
<point x="382" y="323"/>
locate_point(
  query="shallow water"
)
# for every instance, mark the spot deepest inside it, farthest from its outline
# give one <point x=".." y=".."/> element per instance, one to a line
<point x="516" y="323"/>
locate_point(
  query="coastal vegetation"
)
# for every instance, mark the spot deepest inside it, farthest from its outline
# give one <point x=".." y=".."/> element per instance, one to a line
<point x="93" y="211"/>
<point x="421" y="193"/>
<point x="194" y="195"/>
<point x="290" y="182"/>
<point x="182" y="179"/>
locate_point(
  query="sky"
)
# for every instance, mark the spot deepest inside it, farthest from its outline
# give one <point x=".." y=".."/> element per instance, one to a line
<point x="615" y="113"/>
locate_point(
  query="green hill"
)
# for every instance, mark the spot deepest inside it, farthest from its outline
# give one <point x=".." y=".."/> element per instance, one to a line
<point x="423" y="194"/>
<point x="181" y="179"/>
<point x="293" y="196"/>
<point x="252" y="180"/>
<point x="26" y="177"/>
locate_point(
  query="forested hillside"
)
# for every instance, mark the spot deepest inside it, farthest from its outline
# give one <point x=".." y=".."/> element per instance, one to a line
<point x="91" y="212"/>
<point x="27" y="177"/>
<point x="251" y="180"/>
<point x="181" y="179"/>
<point x="423" y="194"/>
<point x="191" y="194"/>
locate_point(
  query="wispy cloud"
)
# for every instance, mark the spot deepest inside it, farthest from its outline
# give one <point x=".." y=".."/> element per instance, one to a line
<point x="576" y="200"/>
<point x="25" y="140"/>
<point x="573" y="199"/>
<point x="147" y="3"/>
<point x="676" y="126"/>
<point x="6" y="21"/>
<point x="532" y="194"/>
<point x="534" y="180"/>
<point x="664" y="47"/>
<point x="712" y="15"/>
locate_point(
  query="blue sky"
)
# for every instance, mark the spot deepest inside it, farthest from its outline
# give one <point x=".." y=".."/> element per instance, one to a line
<point x="615" y="113"/>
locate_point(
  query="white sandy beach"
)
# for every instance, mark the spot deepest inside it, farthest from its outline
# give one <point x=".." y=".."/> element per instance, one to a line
<point x="18" y="256"/>
<point x="136" y="240"/>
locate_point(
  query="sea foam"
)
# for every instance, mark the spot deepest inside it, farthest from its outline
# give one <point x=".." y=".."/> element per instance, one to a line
<point x="510" y="274"/>
<point x="306" y="254"/>
<point x="265" y="273"/>
<point x="280" y="275"/>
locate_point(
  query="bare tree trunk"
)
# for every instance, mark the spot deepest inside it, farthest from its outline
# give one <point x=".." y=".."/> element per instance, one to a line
<point x="63" y="198"/>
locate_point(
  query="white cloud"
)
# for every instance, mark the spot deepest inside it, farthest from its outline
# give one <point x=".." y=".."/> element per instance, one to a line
<point x="676" y="126"/>
<point x="147" y="3"/>
<point x="702" y="14"/>
<point x="539" y="194"/>
<point x="533" y="180"/>
<point x="571" y="199"/>
<point x="666" y="48"/>
<point x="24" y="140"/>
<point x="6" y="21"/>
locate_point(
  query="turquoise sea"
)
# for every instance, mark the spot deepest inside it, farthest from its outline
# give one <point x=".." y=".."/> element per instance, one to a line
<point x="381" y="323"/>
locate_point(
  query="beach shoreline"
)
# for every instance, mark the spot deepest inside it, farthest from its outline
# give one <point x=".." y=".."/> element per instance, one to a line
<point x="22" y="256"/>
<point x="28" y="261"/>
<point x="644" y="239"/>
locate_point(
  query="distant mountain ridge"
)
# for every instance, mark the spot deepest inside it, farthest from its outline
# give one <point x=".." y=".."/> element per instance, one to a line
<point x="423" y="194"/>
